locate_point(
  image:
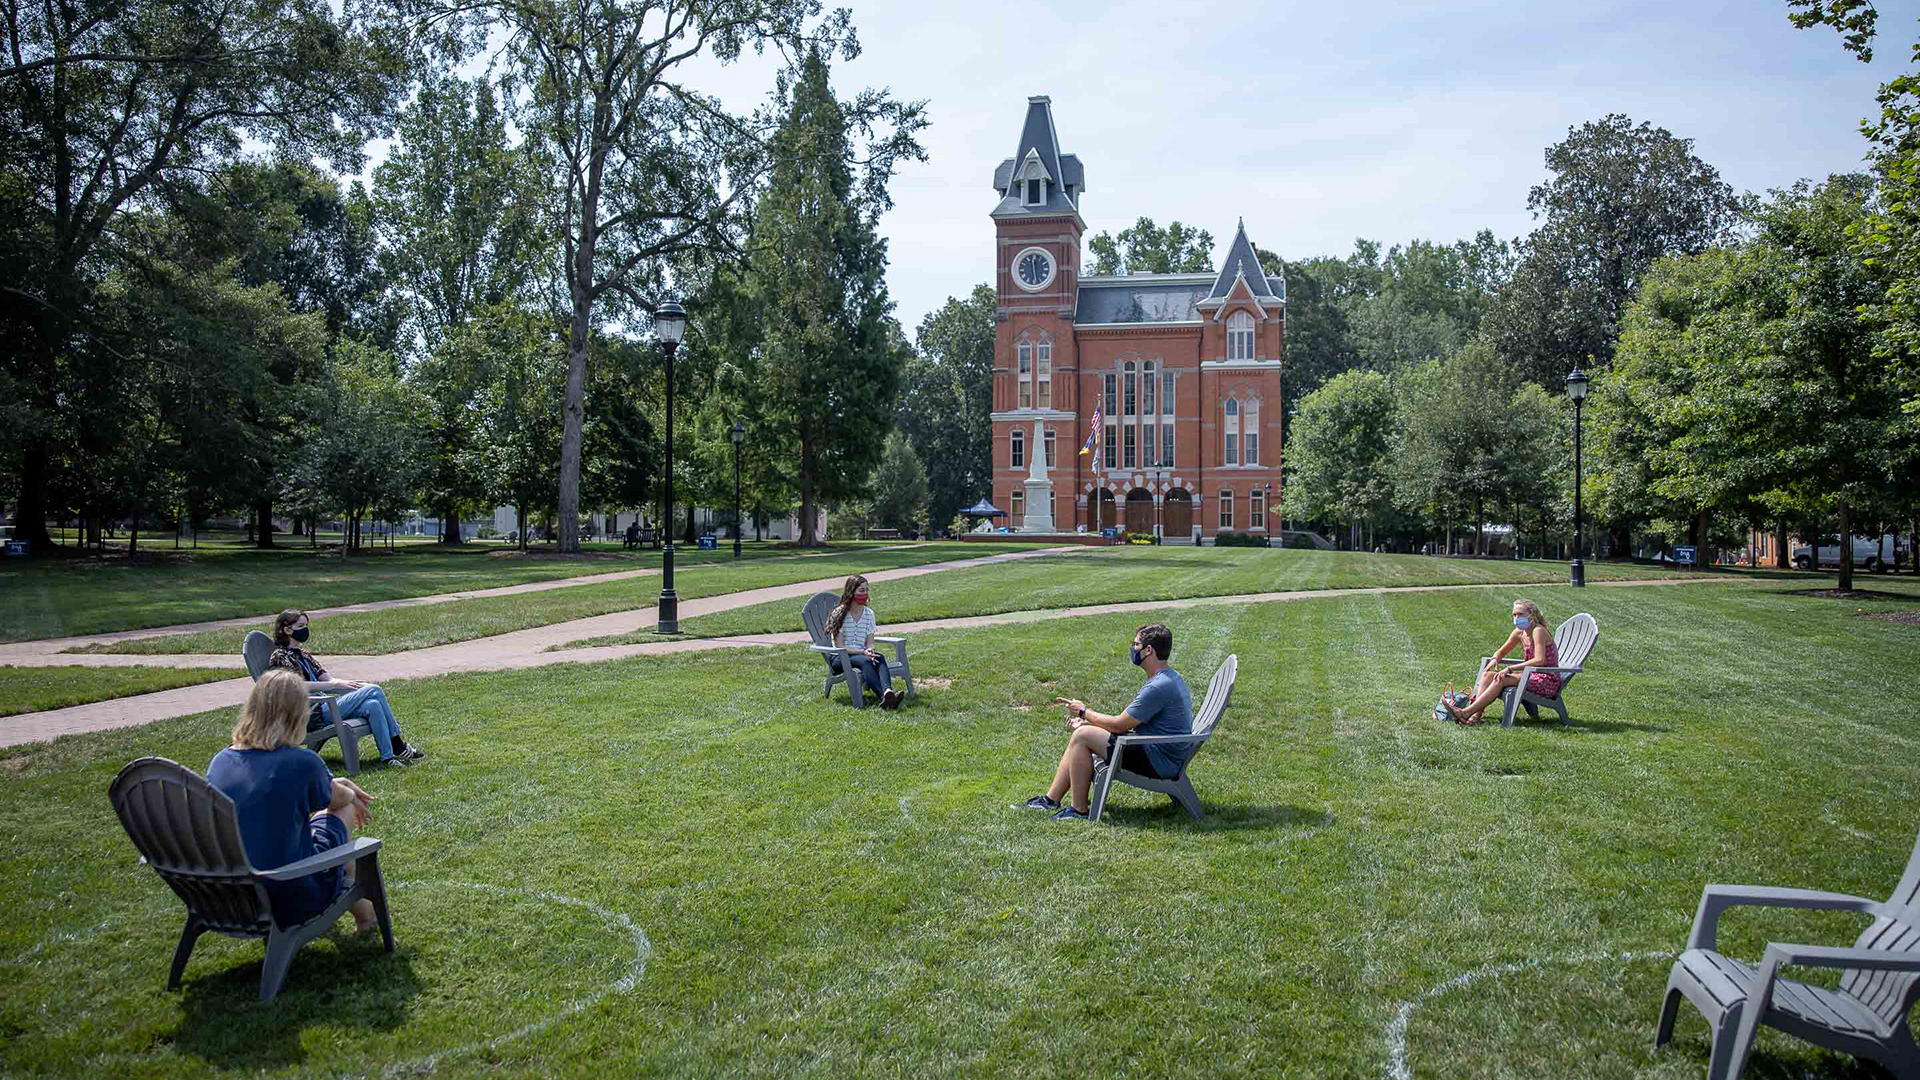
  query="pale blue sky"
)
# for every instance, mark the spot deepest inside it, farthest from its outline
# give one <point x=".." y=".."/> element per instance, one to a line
<point x="1320" y="122"/>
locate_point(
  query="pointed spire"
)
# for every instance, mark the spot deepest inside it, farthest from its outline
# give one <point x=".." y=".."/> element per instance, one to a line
<point x="1242" y="263"/>
<point x="1038" y="156"/>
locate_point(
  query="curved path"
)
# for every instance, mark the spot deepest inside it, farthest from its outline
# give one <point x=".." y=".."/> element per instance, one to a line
<point x="529" y="648"/>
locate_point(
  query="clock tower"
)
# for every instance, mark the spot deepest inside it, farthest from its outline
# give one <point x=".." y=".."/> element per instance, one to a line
<point x="1037" y="230"/>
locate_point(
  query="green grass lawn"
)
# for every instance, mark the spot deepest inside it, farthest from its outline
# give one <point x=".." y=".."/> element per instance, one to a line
<point x="69" y="596"/>
<point x="832" y="892"/>
<point x="31" y="689"/>
<point x="1142" y="573"/>
<point x="399" y="629"/>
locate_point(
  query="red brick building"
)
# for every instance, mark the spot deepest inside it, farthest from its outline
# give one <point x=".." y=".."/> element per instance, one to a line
<point x="1184" y="369"/>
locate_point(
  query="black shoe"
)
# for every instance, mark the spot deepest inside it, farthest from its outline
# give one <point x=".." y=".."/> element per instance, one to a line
<point x="1038" y="802"/>
<point x="406" y="751"/>
<point x="891" y="699"/>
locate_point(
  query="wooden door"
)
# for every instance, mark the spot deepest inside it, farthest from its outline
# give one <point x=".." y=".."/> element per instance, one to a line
<point x="1139" y="512"/>
<point x="1179" y="513"/>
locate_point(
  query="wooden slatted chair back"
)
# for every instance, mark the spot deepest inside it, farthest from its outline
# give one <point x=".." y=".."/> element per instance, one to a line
<point x="1575" y="639"/>
<point x="187" y="831"/>
<point x="815" y="616"/>
<point x="257" y="650"/>
<point x="1891" y="994"/>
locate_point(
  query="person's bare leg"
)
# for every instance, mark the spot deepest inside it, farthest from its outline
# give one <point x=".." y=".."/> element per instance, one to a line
<point x="1471" y="714"/>
<point x="1090" y="742"/>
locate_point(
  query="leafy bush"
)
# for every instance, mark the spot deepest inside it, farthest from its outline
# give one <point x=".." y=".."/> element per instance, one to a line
<point x="1239" y="539"/>
<point x="487" y="532"/>
<point x="1296" y="541"/>
<point x="1141" y="538"/>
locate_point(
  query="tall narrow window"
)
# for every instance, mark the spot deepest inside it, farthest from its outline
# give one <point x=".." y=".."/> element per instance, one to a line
<point x="1250" y="426"/>
<point x="1232" y="433"/>
<point x="1166" y="445"/>
<point x="1226" y="508"/>
<point x="1128" y="456"/>
<point x="1256" y="509"/>
<point x="1033" y="193"/>
<point x="1049" y="449"/>
<point x="1113" y="406"/>
<point x="1043" y="373"/>
<point x="1017" y="449"/>
<point x="1130" y="392"/>
<point x="1166" y="392"/>
<point x="1024" y="374"/>
<point x="1018" y="504"/>
<point x="1151" y="384"/>
<point x="1149" y="442"/>
<point x="1107" y="449"/>
<point x="1240" y="336"/>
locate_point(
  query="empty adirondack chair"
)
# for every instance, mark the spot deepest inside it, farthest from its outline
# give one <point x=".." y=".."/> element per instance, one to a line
<point x="1573" y="641"/>
<point x="814" y="614"/>
<point x="1865" y="1017"/>
<point x="186" y="829"/>
<point x="1179" y="789"/>
<point x="257" y="651"/>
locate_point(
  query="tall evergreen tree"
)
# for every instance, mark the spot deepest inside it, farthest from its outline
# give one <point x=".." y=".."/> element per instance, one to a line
<point x="946" y="400"/>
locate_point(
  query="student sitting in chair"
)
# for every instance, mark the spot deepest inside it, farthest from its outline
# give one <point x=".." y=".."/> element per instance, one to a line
<point x="1164" y="706"/>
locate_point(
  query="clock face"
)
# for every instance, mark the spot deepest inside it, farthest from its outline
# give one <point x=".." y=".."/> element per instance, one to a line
<point x="1033" y="269"/>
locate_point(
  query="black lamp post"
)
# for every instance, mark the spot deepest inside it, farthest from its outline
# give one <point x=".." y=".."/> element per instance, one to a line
<point x="739" y="435"/>
<point x="1577" y="390"/>
<point x="669" y="325"/>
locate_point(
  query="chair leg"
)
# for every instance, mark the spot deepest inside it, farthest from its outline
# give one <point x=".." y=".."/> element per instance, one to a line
<point x="1669" y="1009"/>
<point x="367" y="873"/>
<point x="1184" y="795"/>
<point x="273" y="970"/>
<point x="350" y="749"/>
<point x="1097" y="800"/>
<point x="188" y="936"/>
<point x="1510" y="704"/>
<point x="1732" y="1041"/>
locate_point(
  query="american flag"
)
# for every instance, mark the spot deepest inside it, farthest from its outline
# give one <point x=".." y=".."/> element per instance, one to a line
<point x="1093" y="437"/>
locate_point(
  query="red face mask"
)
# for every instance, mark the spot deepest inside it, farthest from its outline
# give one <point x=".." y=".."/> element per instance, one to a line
<point x="860" y="597"/>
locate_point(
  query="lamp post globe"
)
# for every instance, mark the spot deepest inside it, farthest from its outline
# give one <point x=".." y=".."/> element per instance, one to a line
<point x="669" y="326"/>
<point x="739" y="435"/>
<point x="1577" y="382"/>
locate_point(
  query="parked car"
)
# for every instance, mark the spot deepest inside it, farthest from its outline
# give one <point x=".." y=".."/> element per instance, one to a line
<point x="1866" y="552"/>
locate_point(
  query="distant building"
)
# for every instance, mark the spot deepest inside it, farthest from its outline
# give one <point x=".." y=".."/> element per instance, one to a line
<point x="1184" y="369"/>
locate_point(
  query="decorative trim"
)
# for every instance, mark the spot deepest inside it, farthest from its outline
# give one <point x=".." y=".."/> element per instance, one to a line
<point x="1028" y="416"/>
<point x="1240" y="365"/>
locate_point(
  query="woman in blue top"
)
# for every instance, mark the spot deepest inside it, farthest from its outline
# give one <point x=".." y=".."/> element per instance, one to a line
<point x="288" y="805"/>
<point x="360" y="701"/>
<point x="851" y="627"/>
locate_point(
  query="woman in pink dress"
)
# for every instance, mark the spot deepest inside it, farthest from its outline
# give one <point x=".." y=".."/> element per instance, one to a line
<point x="1536" y="642"/>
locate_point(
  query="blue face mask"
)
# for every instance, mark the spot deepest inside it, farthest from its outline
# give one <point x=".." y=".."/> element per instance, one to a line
<point x="1522" y="621"/>
<point x="1136" y="654"/>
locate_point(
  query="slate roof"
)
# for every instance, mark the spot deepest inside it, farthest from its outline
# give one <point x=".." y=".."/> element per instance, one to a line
<point x="1242" y="260"/>
<point x="1141" y="298"/>
<point x="1038" y="136"/>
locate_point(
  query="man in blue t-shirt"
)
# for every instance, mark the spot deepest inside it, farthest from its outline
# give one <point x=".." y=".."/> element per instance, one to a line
<point x="1164" y="706"/>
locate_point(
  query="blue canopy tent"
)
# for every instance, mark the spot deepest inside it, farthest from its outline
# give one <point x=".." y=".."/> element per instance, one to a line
<point x="981" y="509"/>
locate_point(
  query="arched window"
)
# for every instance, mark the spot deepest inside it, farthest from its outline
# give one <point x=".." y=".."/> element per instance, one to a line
<point x="1226" y="508"/>
<point x="1024" y="372"/>
<point x="1017" y="449"/>
<point x="1043" y="375"/>
<point x="1150" y="383"/>
<point x="1232" y="429"/>
<point x="1240" y="336"/>
<point x="1256" y="509"/>
<point x="1130" y="390"/>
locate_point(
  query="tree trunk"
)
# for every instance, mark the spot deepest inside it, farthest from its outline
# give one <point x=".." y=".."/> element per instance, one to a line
<point x="1780" y="545"/>
<point x="1695" y="529"/>
<point x="520" y="512"/>
<point x="807" y="537"/>
<point x="30" y="513"/>
<point x="263" y="533"/>
<point x="1846" y="542"/>
<point x="133" y="536"/>
<point x="688" y="538"/>
<point x="450" y="524"/>
<point x="1479" y="517"/>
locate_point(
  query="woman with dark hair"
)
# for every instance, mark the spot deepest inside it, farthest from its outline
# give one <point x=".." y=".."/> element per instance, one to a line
<point x="359" y="701"/>
<point x="851" y="627"/>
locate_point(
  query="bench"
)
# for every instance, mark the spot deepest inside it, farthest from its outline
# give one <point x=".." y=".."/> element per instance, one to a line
<point x="883" y="534"/>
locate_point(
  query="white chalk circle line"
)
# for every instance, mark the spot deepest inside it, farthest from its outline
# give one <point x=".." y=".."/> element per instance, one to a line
<point x="1396" y="1030"/>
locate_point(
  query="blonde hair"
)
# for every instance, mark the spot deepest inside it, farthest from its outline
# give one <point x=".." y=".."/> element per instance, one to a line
<point x="274" y="713"/>
<point x="1532" y="611"/>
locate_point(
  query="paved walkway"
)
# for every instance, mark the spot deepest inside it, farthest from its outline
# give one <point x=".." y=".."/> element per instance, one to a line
<point x="529" y="648"/>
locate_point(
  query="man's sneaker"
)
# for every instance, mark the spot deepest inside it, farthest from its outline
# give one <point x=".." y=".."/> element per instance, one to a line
<point x="410" y="752"/>
<point x="396" y="761"/>
<point x="1038" y="802"/>
<point x="1068" y="813"/>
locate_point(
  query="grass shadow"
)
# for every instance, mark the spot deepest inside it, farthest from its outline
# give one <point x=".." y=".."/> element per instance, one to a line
<point x="1219" y="817"/>
<point x="355" y="984"/>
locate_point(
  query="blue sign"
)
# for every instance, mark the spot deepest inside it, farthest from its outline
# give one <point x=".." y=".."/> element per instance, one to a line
<point x="1686" y="556"/>
<point x="16" y="547"/>
<point x="708" y="542"/>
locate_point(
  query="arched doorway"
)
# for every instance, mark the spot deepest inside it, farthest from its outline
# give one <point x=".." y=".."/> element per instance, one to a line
<point x="1102" y="515"/>
<point x="1179" y="512"/>
<point x="1139" y="511"/>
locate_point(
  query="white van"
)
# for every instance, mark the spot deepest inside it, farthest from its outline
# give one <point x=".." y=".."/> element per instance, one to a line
<point x="1866" y="552"/>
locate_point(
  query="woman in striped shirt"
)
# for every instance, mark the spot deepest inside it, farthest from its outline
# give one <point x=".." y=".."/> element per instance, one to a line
<point x="851" y="627"/>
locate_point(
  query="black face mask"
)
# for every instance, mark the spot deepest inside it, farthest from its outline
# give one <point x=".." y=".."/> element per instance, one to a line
<point x="299" y="634"/>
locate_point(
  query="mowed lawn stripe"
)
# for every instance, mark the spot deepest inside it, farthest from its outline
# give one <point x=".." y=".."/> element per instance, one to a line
<point x="845" y="892"/>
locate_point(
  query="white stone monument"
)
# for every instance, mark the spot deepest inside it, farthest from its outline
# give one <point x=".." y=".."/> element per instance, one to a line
<point x="1039" y="488"/>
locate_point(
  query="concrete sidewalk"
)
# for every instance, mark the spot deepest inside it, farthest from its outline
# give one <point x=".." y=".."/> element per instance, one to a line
<point x="528" y="648"/>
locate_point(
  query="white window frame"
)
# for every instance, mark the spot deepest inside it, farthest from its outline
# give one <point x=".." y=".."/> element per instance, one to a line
<point x="1226" y="509"/>
<point x="1110" y="453"/>
<point x="1166" y="445"/>
<point x="1112" y="388"/>
<point x="1129" y="390"/>
<point x="1023" y="371"/>
<point x="1047" y="442"/>
<point x="1129" y="446"/>
<point x="1043" y="373"/>
<point x="1017" y="449"/>
<point x="1166" y="393"/>
<point x="1251" y="428"/>
<point x="1150" y="442"/>
<point x="1257" y="509"/>
<point x="1150" y="390"/>
<point x="1240" y="336"/>
<point x="1017" y="506"/>
<point x="1230" y="439"/>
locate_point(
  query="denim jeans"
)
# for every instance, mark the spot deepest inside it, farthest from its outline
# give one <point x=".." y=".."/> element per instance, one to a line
<point x="874" y="673"/>
<point x="370" y="703"/>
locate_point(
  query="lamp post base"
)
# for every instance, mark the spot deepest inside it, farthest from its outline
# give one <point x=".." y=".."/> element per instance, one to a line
<point x="669" y="619"/>
<point x="1579" y="575"/>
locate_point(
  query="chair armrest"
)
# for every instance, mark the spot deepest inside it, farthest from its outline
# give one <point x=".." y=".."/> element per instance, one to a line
<point x="326" y="860"/>
<point x="1825" y="956"/>
<point x="831" y="649"/>
<point x="1144" y="740"/>
<point x="1715" y="899"/>
<point x="889" y="640"/>
<point x="899" y="647"/>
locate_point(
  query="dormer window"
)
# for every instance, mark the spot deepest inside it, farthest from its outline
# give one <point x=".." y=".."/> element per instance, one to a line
<point x="1034" y="195"/>
<point x="1240" y="336"/>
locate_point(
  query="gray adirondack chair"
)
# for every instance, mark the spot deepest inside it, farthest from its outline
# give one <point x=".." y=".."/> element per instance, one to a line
<point x="1179" y="789"/>
<point x="186" y="829"/>
<point x="814" y="614"/>
<point x="1573" y="642"/>
<point x="258" y="650"/>
<point x="1865" y="1017"/>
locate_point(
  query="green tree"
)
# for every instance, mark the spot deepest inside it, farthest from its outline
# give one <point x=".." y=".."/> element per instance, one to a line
<point x="1146" y="248"/>
<point x="827" y="362"/>
<point x="945" y="401"/>
<point x="1457" y="455"/>
<point x="899" y="486"/>
<point x="1621" y="195"/>
<point x="520" y="438"/>
<point x="109" y="107"/>
<point x="358" y="462"/>
<point x="1340" y="450"/>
